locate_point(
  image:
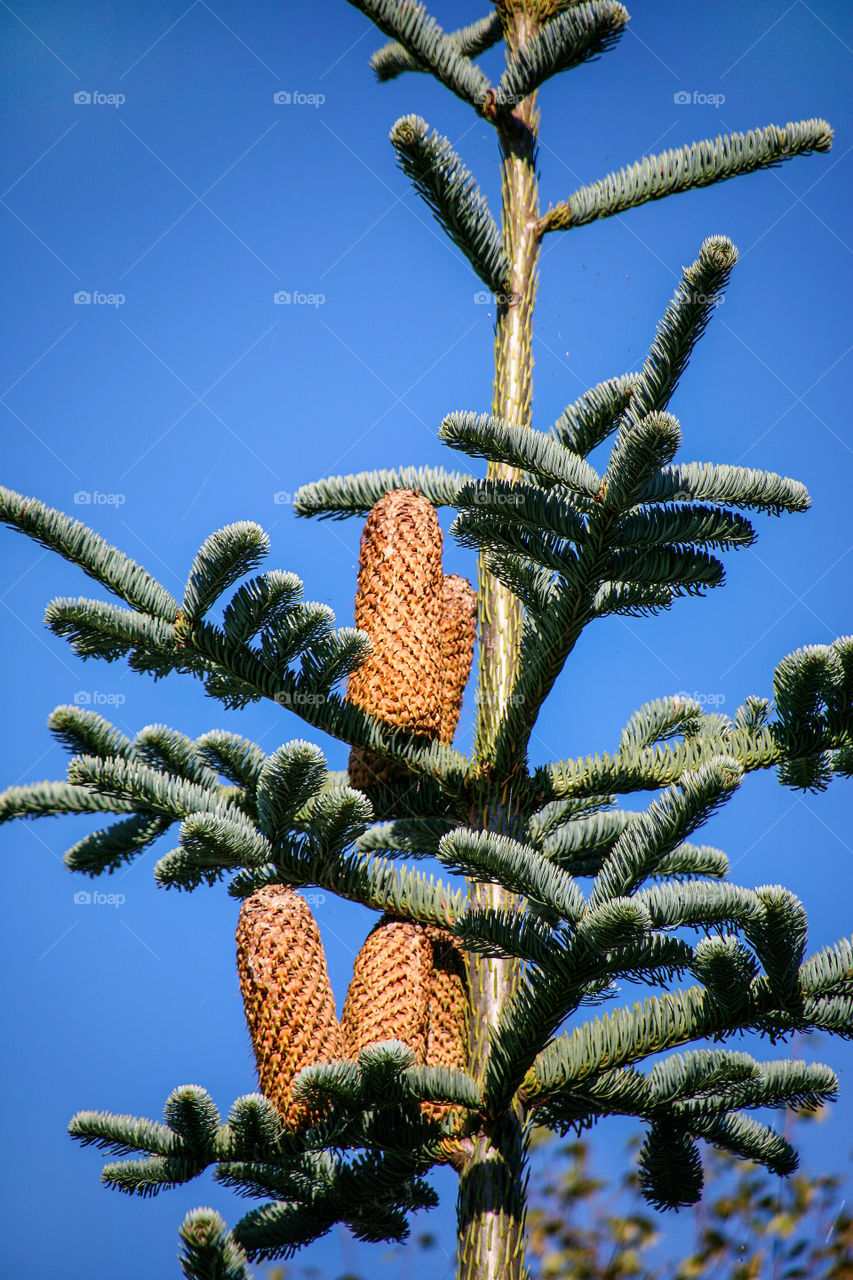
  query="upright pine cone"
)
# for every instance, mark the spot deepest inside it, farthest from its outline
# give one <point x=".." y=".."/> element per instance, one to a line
<point x="388" y="997"/>
<point x="458" y="633"/>
<point x="398" y="605"/>
<point x="447" y="1030"/>
<point x="409" y="983"/>
<point x="289" y="1004"/>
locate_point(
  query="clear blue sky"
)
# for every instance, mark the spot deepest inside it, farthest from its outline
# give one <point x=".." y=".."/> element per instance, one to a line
<point x="195" y="400"/>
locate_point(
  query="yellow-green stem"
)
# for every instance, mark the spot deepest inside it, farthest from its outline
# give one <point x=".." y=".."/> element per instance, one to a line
<point x="490" y="1208"/>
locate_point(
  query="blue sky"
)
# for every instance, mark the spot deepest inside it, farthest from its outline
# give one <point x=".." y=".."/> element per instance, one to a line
<point x="182" y="198"/>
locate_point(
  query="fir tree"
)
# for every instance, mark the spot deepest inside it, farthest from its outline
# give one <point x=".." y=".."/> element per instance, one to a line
<point x="464" y="1026"/>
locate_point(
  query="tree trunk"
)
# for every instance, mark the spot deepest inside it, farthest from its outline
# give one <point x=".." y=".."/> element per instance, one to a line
<point x="491" y="1203"/>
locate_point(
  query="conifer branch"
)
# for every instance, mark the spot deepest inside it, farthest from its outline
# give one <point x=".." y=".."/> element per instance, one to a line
<point x="44" y="799"/>
<point x="580" y="33"/>
<point x="695" y="525"/>
<point x="696" y="165"/>
<point x="485" y="504"/>
<point x="110" y="848"/>
<point x="210" y="1251"/>
<point x="749" y="1140"/>
<point x="152" y="789"/>
<point x="670" y="1166"/>
<point x="84" y="732"/>
<point x="755" y="744"/>
<point x="659" y="831"/>
<point x="339" y="497"/>
<point x="483" y="436"/>
<point x="237" y="673"/>
<point x="260" y="603"/>
<point x="237" y="758"/>
<point x="211" y="845"/>
<point x="226" y="555"/>
<point x="124" y="1135"/>
<point x="508" y="933"/>
<point x="662" y="720"/>
<point x="77" y="543"/>
<point x="165" y="748"/>
<point x="590" y="420"/>
<point x="392" y="59"/>
<point x="408" y="23"/>
<point x="374" y="882"/>
<point x="518" y="867"/>
<point x="442" y="181"/>
<point x="97" y="629"/>
<point x="674" y="1018"/>
<point x="639" y="452"/>
<point x="734" y="486"/>
<point x="517" y="537"/>
<point x="699" y="292"/>
<point x="813" y="691"/>
<point x="414" y="837"/>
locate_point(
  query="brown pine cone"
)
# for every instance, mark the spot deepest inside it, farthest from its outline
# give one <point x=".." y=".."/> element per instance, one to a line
<point x="458" y="633"/>
<point x="289" y="1004"/>
<point x="388" y="996"/>
<point x="409" y="983"/>
<point x="398" y="605"/>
